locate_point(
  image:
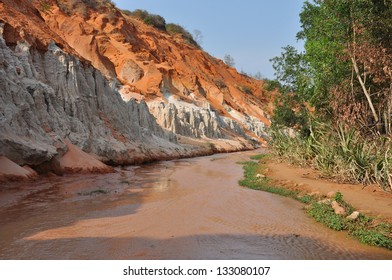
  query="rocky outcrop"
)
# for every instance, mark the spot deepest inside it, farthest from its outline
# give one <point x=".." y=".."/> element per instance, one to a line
<point x="47" y="97"/>
<point x="189" y="120"/>
<point x="339" y="210"/>
<point x="252" y="124"/>
<point x="153" y="62"/>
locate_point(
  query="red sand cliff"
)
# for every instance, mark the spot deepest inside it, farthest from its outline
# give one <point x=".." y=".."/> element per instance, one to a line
<point x="147" y="62"/>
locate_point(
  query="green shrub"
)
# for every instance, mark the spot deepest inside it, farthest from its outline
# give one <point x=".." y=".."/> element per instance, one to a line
<point x="325" y="214"/>
<point x="271" y="85"/>
<point x="45" y="6"/>
<point x="156" y="20"/>
<point x="173" y="28"/>
<point x="372" y="237"/>
<point x="138" y="13"/>
<point x="258" y="157"/>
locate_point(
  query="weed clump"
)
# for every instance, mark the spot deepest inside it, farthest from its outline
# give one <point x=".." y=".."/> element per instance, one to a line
<point x="94" y="192"/>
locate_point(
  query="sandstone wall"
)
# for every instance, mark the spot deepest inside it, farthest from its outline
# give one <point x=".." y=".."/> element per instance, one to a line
<point x="47" y="97"/>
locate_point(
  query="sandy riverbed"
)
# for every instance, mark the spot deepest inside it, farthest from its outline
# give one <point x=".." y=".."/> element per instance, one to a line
<point x="184" y="209"/>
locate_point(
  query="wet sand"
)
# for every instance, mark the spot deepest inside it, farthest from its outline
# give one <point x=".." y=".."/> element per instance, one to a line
<point x="184" y="209"/>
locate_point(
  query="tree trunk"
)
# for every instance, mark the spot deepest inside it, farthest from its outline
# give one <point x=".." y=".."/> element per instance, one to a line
<point x="389" y="98"/>
<point x="369" y="99"/>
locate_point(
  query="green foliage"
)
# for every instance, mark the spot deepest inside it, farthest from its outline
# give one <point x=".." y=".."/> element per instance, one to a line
<point x="307" y="199"/>
<point x="323" y="213"/>
<point x="271" y="85"/>
<point x="339" y="153"/>
<point x="372" y="237"/>
<point x="258" y="157"/>
<point x="290" y="112"/>
<point x="341" y="36"/>
<point x="173" y="28"/>
<point x="292" y="71"/>
<point x="338" y="197"/>
<point x="368" y="233"/>
<point x="250" y="180"/>
<point x="45" y="6"/>
<point x="325" y="35"/>
<point x="296" y="88"/>
<point x="138" y="13"/>
<point x="157" y="21"/>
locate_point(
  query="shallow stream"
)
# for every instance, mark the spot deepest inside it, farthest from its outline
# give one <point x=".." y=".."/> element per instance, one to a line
<point x="183" y="209"/>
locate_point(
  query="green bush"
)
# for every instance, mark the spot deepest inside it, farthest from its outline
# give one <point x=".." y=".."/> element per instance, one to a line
<point x="138" y="13"/>
<point x="154" y="20"/>
<point x="173" y="28"/>
<point x="45" y="6"/>
<point x="271" y="85"/>
<point x="157" y="21"/>
<point x="160" y="23"/>
<point x="325" y="214"/>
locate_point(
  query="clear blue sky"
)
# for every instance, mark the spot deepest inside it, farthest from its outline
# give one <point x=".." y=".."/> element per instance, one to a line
<point x="251" y="31"/>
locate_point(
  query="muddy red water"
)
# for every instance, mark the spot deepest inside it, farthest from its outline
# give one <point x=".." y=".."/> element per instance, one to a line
<point x="184" y="209"/>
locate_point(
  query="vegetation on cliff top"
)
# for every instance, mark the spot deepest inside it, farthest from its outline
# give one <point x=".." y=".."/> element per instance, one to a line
<point x="337" y="94"/>
<point x="159" y="22"/>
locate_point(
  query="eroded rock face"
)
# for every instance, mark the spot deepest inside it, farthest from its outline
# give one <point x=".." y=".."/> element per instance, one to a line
<point x="50" y="96"/>
<point x="188" y="121"/>
<point x="54" y="93"/>
<point x="252" y="124"/>
<point x="192" y="121"/>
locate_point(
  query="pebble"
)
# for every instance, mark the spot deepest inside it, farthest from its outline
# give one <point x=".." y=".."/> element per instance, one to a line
<point x="353" y="216"/>
<point x="339" y="210"/>
<point x="331" y="194"/>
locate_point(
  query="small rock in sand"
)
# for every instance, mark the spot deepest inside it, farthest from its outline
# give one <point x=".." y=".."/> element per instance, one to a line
<point x="339" y="210"/>
<point x="331" y="194"/>
<point x="325" y="201"/>
<point x="353" y="216"/>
